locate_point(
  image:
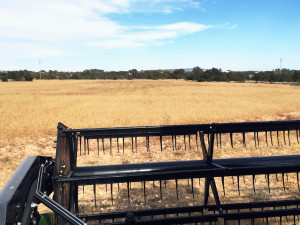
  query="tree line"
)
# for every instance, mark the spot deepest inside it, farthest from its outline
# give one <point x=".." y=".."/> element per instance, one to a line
<point x="196" y="74"/>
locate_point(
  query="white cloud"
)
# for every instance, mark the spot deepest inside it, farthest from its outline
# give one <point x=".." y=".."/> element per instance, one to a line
<point x="33" y="27"/>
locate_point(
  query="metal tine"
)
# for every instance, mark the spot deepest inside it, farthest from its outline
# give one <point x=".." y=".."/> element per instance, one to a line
<point x="254" y="136"/>
<point x="192" y="181"/>
<point x="238" y="183"/>
<point x="266" y="138"/>
<point x="298" y="180"/>
<point x="118" y="187"/>
<point x="271" y="138"/>
<point x="103" y="149"/>
<point x="284" y="137"/>
<point x="189" y="141"/>
<point x="268" y="180"/>
<point x="123" y="144"/>
<point x="147" y="142"/>
<point x="231" y="141"/>
<point x="118" y="144"/>
<point x="216" y="140"/>
<point x="244" y="179"/>
<point x="84" y="145"/>
<point x="207" y="139"/>
<point x="144" y="190"/>
<point x="232" y="180"/>
<point x="283" y="181"/>
<point x="160" y="191"/>
<point x="277" y="137"/>
<point x="106" y="187"/>
<point x="253" y="182"/>
<point x="175" y="139"/>
<point x="161" y="142"/>
<point x="257" y="137"/>
<point x="222" y="178"/>
<point x="132" y="143"/>
<point x="111" y="193"/>
<point x="98" y="145"/>
<point x="197" y="140"/>
<point x="80" y="145"/>
<point x="297" y="135"/>
<point x="244" y="139"/>
<point x="110" y="145"/>
<point x="173" y="142"/>
<point x="176" y="183"/>
<point x="280" y="220"/>
<point x="220" y="136"/>
<point x="95" y="195"/>
<point x="82" y="189"/>
<point x="184" y="142"/>
<point x="135" y="143"/>
<point x="87" y="144"/>
<point x="289" y="137"/>
<point x="128" y="194"/>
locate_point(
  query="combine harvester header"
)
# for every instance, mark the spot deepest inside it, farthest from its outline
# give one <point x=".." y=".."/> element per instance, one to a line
<point x="161" y="192"/>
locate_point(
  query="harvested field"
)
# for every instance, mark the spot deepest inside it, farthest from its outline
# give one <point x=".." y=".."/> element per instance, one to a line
<point x="30" y="112"/>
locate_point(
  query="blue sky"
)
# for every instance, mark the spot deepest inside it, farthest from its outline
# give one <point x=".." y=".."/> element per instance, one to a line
<point x="73" y="35"/>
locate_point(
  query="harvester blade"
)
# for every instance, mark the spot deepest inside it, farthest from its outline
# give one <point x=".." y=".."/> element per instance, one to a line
<point x="98" y="145"/>
<point x="253" y="182"/>
<point x="283" y="181"/>
<point x="231" y="141"/>
<point x="144" y="190"/>
<point x="128" y="192"/>
<point x="95" y="195"/>
<point x="176" y="184"/>
<point x="192" y="181"/>
<point x="268" y="180"/>
<point x="222" y="178"/>
<point x="123" y="145"/>
<point x="111" y="193"/>
<point x="298" y="180"/>
<point x="271" y="137"/>
<point x="238" y="183"/>
<point x="132" y="144"/>
<point x="103" y="149"/>
<point x="197" y="140"/>
<point x="160" y="190"/>
<point x="118" y="145"/>
<point x="244" y="139"/>
<point x="110" y="146"/>
<point x="135" y="143"/>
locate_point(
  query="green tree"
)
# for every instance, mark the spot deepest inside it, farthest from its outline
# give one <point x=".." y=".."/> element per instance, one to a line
<point x="296" y="76"/>
<point x="197" y="74"/>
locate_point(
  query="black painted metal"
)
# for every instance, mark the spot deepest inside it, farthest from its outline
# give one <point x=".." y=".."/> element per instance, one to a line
<point x="17" y="194"/>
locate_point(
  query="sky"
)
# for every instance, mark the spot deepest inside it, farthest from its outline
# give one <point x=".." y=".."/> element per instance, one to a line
<point x="116" y="35"/>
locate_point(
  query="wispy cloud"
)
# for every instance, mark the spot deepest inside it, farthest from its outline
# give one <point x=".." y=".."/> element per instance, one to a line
<point x="40" y="25"/>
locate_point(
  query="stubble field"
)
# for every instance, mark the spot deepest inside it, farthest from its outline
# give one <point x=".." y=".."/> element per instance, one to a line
<point x="30" y="112"/>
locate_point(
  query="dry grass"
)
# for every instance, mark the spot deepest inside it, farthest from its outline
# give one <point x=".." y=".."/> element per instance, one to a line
<point x="33" y="109"/>
<point x="30" y="112"/>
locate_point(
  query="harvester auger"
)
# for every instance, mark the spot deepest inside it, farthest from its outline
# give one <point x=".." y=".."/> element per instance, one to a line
<point x="177" y="192"/>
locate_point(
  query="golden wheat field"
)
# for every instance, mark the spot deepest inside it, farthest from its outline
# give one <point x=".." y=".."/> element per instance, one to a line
<point x="30" y="112"/>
